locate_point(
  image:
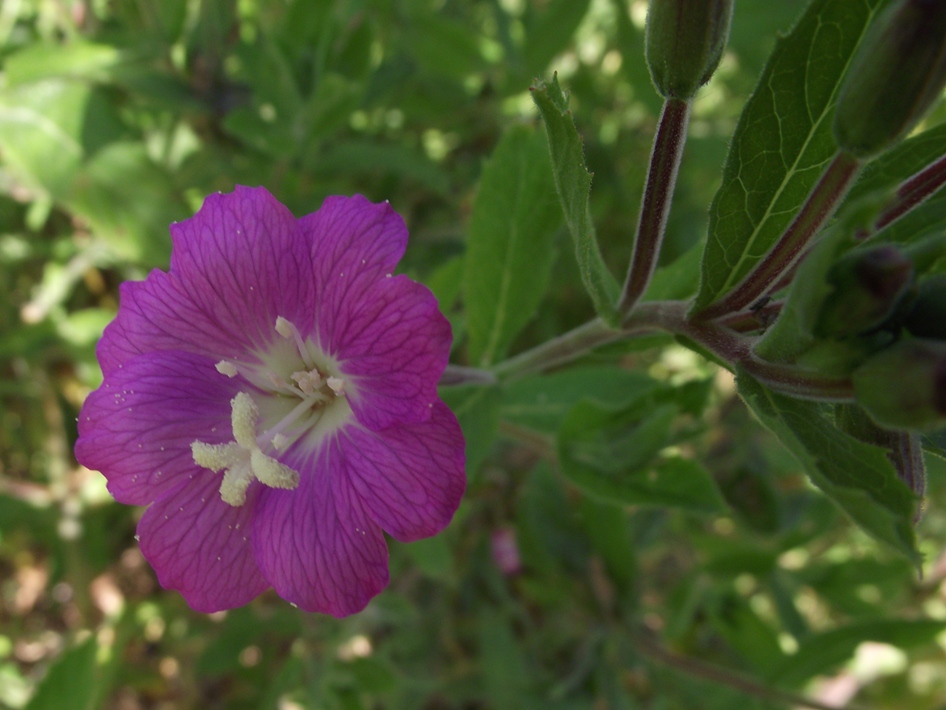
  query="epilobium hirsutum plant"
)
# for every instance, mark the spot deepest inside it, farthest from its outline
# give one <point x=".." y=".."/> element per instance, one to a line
<point x="273" y="396"/>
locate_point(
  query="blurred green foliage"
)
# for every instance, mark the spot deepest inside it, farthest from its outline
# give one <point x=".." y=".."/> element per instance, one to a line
<point x="116" y="118"/>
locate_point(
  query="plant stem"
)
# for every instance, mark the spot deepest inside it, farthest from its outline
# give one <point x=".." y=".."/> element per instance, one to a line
<point x="458" y="375"/>
<point x="914" y="191"/>
<point x="721" y="343"/>
<point x="723" y="676"/>
<point x="565" y="348"/>
<point x="817" y="210"/>
<point x="658" y="194"/>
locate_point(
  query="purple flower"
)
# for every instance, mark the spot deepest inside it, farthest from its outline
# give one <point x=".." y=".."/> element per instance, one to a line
<point x="273" y="397"/>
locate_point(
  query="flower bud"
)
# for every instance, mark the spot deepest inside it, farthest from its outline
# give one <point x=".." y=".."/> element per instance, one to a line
<point x="904" y="386"/>
<point x="685" y="40"/>
<point x="927" y="315"/>
<point x="868" y="285"/>
<point x="895" y="76"/>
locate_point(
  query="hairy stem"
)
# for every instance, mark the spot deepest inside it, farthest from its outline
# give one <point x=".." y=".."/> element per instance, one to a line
<point x="658" y="194"/>
<point x="460" y="375"/>
<point x="817" y="210"/>
<point x="913" y="192"/>
<point x="715" y="340"/>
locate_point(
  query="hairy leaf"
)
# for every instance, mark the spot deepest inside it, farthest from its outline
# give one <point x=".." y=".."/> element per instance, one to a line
<point x="856" y="476"/>
<point x="782" y="143"/>
<point x="573" y="182"/>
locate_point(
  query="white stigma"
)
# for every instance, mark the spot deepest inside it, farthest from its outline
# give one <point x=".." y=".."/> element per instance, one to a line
<point x="242" y="460"/>
<point x="226" y="368"/>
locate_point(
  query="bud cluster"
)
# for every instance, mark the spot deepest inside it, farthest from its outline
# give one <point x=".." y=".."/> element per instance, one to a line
<point x="888" y="330"/>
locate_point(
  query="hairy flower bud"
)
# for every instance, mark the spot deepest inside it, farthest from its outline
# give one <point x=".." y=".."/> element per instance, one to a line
<point x="927" y="316"/>
<point x="904" y="386"/>
<point x="868" y="286"/>
<point x="685" y="40"/>
<point x="897" y="73"/>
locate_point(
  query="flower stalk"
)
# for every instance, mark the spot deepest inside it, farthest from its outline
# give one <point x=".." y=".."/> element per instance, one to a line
<point x="912" y="193"/>
<point x="658" y="194"/>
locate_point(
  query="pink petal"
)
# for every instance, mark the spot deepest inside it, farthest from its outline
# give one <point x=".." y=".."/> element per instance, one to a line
<point x="410" y="477"/>
<point x="393" y="343"/>
<point x="354" y="243"/>
<point x="201" y="546"/>
<point x="316" y="544"/>
<point x="238" y="263"/>
<point x="138" y="426"/>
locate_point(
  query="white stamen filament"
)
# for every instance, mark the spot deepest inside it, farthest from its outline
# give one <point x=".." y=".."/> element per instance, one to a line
<point x="288" y="330"/>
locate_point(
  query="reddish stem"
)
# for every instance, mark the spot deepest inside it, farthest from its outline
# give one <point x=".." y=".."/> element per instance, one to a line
<point x="655" y="205"/>
<point x="817" y="210"/>
<point x="914" y="191"/>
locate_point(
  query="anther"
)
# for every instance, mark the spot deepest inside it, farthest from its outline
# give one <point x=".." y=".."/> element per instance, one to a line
<point x="337" y="385"/>
<point x="227" y="368"/>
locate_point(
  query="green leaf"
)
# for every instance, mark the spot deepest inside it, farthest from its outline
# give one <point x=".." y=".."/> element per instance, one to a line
<point x="678" y="280"/>
<point x="510" y="243"/>
<point x="41" y="128"/>
<point x="477" y="409"/>
<point x="573" y="183"/>
<point x="856" y="476"/>
<point x="542" y="402"/>
<point x="71" y="680"/>
<point x="129" y="201"/>
<point x="433" y="557"/>
<point x="610" y="455"/>
<point x="900" y="163"/>
<point x="822" y="653"/>
<point x="505" y="670"/>
<point x="550" y="30"/>
<point x="76" y="59"/>
<point x="782" y="143"/>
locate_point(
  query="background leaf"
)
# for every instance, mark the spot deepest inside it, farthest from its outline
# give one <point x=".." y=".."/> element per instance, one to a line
<point x="510" y="243"/>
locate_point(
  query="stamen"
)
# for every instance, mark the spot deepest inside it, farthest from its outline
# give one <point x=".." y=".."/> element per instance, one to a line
<point x="288" y="330"/>
<point x="280" y="441"/>
<point x="226" y="368"/>
<point x="284" y="327"/>
<point x="337" y="385"/>
<point x="309" y="382"/>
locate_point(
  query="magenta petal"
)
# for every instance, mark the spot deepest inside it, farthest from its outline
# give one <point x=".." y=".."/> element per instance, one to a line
<point x="201" y="546"/>
<point x="393" y="343"/>
<point x="354" y="242"/>
<point x="317" y="545"/>
<point x="237" y="264"/>
<point x="410" y="477"/>
<point x="138" y="426"/>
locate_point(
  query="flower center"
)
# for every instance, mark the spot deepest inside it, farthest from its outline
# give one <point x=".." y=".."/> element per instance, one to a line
<point x="298" y="401"/>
